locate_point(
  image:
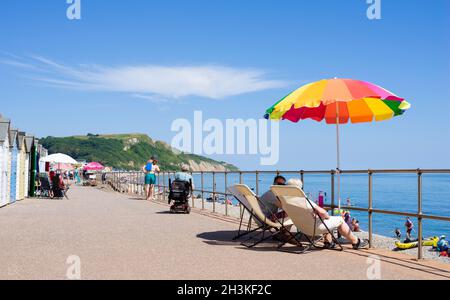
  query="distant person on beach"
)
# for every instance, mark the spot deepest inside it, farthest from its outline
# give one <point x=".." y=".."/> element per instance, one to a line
<point x="398" y="233"/>
<point x="333" y="222"/>
<point x="355" y="224"/>
<point x="271" y="205"/>
<point x="348" y="220"/>
<point x="409" y="228"/>
<point x="150" y="170"/>
<point x="349" y="202"/>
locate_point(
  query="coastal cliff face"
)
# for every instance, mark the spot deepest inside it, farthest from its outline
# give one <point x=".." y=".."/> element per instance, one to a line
<point x="207" y="167"/>
<point x="130" y="152"/>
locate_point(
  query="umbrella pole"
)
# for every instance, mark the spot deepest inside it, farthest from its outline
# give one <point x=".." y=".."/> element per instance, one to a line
<point x="338" y="170"/>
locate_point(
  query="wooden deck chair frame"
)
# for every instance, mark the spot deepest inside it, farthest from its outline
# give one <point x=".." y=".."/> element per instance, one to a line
<point x="312" y="242"/>
<point x="256" y="213"/>
<point x="245" y="205"/>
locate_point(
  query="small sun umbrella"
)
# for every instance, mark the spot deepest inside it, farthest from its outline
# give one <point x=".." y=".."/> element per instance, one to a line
<point x="337" y="101"/>
<point x="94" y="166"/>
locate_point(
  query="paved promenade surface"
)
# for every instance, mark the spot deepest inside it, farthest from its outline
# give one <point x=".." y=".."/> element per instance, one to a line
<point x="121" y="237"/>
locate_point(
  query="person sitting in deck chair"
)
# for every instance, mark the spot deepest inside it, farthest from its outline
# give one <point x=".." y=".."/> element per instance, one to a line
<point x="332" y="222"/>
<point x="271" y="206"/>
<point x="58" y="186"/>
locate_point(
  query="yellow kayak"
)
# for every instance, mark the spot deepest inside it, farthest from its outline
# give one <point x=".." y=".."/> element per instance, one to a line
<point x="426" y="242"/>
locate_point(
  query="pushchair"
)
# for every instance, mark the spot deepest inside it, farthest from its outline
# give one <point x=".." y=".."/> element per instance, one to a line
<point x="44" y="189"/>
<point x="180" y="192"/>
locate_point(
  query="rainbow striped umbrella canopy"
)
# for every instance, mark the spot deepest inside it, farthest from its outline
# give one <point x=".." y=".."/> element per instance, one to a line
<point x="338" y="101"/>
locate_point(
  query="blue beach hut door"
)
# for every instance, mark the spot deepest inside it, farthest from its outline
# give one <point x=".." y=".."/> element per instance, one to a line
<point x="13" y="174"/>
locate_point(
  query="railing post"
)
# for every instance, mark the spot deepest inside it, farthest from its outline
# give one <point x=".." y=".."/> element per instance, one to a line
<point x="240" y="205"/>
<point x="136" y="186"/>
<point x="302" y="177"/>
<point x="370" y="210"/>
<point x="257" y="183"/>
<point x="193" y="196"/>
<point x="203" y="191"/>
<point x="119" y="181"/>
<point x="332" y="192"/>
<point x="214" y="192"/>
<point x="226" y="195"/>
<point x="419" y="212"/>
<point x="164" y="187"/>
<point x="130" y="183"/>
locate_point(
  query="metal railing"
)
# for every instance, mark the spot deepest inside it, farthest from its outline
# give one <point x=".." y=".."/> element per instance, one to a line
<point x="133" y="183"/>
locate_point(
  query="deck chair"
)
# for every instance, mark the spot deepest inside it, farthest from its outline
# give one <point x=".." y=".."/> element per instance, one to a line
<point x="246" y="207"/>
<point x="301" y="211"/>
<point x="44" y="189"/>
<point x="65" y="191"/>
<point x="254" y="207"/>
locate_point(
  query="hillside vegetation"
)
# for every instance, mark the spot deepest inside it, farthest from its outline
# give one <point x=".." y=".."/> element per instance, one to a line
<point x="129" y="152"/>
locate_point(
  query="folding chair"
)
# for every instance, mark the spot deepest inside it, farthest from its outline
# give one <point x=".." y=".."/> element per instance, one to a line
<point x="254" y="208"/>
<point x="246" y="207"/>
<point x="65" y="191"/>
<point x="302" y="213"/>
<point x="44" y="190"/>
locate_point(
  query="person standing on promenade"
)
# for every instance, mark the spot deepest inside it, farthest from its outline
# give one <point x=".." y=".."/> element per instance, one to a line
<point x="150" y="170"/>
<point x="76" y="174"/>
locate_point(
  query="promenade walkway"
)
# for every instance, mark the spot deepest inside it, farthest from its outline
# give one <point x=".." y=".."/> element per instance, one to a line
<point x="121" y="237"/>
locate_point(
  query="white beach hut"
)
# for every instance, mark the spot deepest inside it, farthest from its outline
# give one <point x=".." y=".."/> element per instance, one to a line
<point x="4" y="161"/>
<point x="21" y="167"/>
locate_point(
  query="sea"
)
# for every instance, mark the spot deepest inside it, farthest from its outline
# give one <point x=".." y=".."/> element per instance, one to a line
<point x="394" y="192"/>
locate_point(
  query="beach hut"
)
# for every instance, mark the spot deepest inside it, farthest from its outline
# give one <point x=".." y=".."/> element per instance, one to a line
<point x="34" y="167"/>
<point x="14" y="151"/>
<point x="42" y="153"/>
<point x="22" y="167"/>
<point x="29" y="144"/>
<point x="4" y="159"/>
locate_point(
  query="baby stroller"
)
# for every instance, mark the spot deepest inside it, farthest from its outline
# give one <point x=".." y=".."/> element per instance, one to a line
<point x="180" y="192"/>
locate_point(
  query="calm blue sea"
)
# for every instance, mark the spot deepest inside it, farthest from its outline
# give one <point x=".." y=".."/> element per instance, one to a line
<point x="396" y="192"/>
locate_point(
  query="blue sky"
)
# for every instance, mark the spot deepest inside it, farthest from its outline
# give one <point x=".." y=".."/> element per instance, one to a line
<point x="60" y="77"/>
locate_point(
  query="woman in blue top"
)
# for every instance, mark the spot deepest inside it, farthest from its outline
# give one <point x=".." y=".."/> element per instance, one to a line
<point x="150" y="170"/>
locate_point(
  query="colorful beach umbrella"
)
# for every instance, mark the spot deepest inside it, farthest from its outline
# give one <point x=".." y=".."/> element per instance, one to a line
<point x="339" y="101"/>
<point x="94" y="166"/>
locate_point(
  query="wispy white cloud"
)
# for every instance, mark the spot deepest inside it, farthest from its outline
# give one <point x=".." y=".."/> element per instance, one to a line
<point x="150" y="82"/>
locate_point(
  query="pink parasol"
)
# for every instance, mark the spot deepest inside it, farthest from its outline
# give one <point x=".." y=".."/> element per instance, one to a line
<point x="94" y="166"/>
